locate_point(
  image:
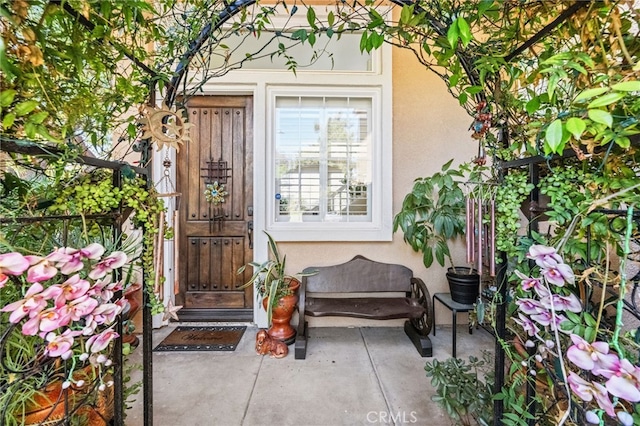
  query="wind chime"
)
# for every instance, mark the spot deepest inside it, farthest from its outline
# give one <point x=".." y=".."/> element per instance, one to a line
<point x="481" y="231"/>
<point x="166" y="185"/>
<point x="215" y="178"/>
<point x="481" y="237"/>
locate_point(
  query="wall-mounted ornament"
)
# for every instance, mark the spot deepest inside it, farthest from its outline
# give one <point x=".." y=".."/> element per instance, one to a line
<point x="165" y="127"/>
<point x="215" y="193"/>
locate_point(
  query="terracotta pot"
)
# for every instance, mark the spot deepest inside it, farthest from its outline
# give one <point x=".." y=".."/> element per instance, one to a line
<point x="281" y="315"/>
<point x="48" y="406"/>
<point x="134" y="297"/>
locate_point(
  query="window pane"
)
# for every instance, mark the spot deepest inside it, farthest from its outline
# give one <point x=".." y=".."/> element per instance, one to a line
<point x="323" y="158"/>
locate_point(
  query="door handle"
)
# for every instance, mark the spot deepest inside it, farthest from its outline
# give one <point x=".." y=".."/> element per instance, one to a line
<point x="250" y="233"/>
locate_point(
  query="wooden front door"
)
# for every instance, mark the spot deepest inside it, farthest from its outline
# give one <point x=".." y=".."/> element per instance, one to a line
<point x="216" y="231"/>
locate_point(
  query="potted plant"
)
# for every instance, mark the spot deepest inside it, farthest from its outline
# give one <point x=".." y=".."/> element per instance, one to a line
<point x="57" y="322"/>
<point x="432" y="215"/>
<point x="278" y="291"/>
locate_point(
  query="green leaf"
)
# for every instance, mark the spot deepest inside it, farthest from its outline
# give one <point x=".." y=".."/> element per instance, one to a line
<point x="330" y="32"/>
<point x="300" y="34"/>
<point x="452" y="35"/>
<point x="601" y="116"/>
<point x="427" y="257"/>
<point x="533" y="105"/>
<point x="465" y="31"/>
<point x="553" y="135"/>
<point x="627" y="86"/>
<point x="590" y="93"/>
<point x="38" y="117"/>
<point x="363" y="41"/>
<point x="311" y="17"/>
<point x="576" y="126"/>
<point x="42" y="131"/>
<point x="331" y="18"/>
<point x="406" y="14"/>
<point x="623" y="142"/>
<point x="607" y="99"/>
<point x="24" y="108"/>
<point x="8" y="120"/>
<point x="6" y="97"/>
<point x="30" y="130"/>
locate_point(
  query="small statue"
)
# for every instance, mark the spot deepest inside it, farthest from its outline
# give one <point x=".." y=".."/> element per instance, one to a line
<point x="266" y="344"/>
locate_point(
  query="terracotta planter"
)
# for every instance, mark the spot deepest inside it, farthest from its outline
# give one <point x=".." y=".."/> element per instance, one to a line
<point x="48" y="406"/>
<point x="282" y="313"/>
<point x="134" y="297"/>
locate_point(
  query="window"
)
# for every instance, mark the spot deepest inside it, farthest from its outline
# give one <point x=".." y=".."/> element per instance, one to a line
<point x="326" y="164"/>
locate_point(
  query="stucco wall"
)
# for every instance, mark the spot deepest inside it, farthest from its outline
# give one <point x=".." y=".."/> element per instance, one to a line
<point x="429" y="128"/>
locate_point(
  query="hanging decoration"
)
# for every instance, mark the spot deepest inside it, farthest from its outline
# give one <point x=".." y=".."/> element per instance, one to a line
<point x="165" y="127"/>
<point x="167" y="189"/>
<point x="215" y="193"/>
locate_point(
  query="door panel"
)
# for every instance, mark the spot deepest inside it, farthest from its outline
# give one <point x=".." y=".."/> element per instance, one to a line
<point x="215" y="240"/>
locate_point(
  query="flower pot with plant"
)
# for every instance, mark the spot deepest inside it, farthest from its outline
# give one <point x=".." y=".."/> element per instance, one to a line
<point x="432" y="215"/>
<point x="278" y="291"/>
<point x="57" y="318"/>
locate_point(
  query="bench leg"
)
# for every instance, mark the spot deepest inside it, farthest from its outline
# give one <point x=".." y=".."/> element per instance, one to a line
<point x="422" y="343"/>
<point x="301" y="343"/>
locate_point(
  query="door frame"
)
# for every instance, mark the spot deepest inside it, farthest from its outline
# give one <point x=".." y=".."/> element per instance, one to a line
<point x="260" y="248"/>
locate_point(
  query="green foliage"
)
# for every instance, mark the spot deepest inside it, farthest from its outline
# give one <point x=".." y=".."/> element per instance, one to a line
<point x="270" y="278"/>
<point x="433" y="214"/>
<point x="510" y="195"/>
<point x="464" y="389"/>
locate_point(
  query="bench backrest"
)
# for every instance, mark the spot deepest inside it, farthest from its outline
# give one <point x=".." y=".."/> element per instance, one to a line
<point x="358" y="275"/>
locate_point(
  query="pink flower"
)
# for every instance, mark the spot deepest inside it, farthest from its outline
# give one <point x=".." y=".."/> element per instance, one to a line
<point x="544" y="318"/>
<point x="72" y="288"/>
<point x="590" y="356"/>
<point x="564" y="303"/>
<point x="82" y="307"/>
<point x="106" y="313"/>
<point x="558" y="274"/>
<point x="92" y="251"/>
<point x="69" y="259"/>
<point x="11" y="264"/>
<point x="60" y="345"/>
<point x="115" y="260"/>
<point x="99" y="342"/>
<point x="528" y="283"/>
<point x="625" y="381"/>
<point x="528" y="325"/>
<point x="530" y="306"/>
<point x="32" y="303"/>
<point x="40" y="270"/>
<point x="51" y="319"/>
<point x="543" y="255"/>
<point x="588" y="390"/>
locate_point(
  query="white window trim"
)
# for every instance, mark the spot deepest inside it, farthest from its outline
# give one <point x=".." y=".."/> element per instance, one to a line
<point x="379" y="228"/>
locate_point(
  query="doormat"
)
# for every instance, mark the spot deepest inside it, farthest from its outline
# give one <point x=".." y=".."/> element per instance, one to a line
<point x="210" y="338"/>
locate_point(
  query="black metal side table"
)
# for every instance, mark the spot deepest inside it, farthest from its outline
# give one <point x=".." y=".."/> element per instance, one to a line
<point x="455" y="308"/>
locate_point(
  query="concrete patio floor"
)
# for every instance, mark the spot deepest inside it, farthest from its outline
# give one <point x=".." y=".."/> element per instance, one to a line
<point x="351" y="376"/>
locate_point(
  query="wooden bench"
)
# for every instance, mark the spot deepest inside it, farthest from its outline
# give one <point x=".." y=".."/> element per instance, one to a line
<point x="361" y="275"/>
